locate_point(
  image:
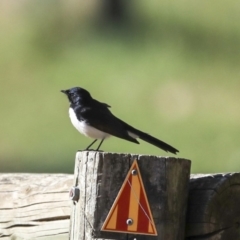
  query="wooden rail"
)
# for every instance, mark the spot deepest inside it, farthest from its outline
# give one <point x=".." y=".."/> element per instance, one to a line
<point x="34" y="206"/>
<point x="213" y="211"/>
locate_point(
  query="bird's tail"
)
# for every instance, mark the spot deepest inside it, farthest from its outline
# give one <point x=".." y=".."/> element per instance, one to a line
<point x="152" y="140"/>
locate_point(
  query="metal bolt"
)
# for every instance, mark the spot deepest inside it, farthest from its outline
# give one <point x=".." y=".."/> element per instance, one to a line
<point x="129" y="221"/>
<point x="74" y="194"/>
<point x="134" y="172"/>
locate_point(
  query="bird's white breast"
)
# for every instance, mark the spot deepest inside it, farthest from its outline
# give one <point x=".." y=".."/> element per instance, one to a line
<point x="85" y="129"/>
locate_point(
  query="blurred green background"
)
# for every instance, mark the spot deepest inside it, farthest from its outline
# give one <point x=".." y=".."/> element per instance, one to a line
<point x="168" y="68"/>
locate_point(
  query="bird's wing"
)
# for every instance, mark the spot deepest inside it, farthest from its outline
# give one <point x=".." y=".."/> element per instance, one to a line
<point x="102" y="119"/>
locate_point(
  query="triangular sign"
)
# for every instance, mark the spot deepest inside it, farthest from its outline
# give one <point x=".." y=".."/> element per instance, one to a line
<point x="130" y="212"/>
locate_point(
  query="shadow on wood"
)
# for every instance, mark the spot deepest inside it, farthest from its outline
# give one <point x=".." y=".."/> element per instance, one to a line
<point x="214" y="207"/>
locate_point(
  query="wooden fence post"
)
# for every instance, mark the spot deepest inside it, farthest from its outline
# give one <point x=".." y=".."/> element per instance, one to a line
<point x="100" y="175"/>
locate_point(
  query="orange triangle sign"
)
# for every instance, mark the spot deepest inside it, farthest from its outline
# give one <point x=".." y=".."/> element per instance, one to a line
<point x="130" y="212"/>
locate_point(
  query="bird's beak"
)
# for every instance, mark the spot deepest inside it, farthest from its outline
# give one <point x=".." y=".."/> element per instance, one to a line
<point x="64" y="91"/>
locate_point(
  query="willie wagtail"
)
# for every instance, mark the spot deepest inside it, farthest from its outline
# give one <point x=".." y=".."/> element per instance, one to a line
<point x="94" y="119"/>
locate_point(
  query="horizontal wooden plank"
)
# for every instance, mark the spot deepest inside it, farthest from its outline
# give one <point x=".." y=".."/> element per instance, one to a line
<point x="35" y="206"/>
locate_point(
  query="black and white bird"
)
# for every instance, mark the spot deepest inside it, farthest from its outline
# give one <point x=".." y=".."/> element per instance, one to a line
<point x="94" y="119"/>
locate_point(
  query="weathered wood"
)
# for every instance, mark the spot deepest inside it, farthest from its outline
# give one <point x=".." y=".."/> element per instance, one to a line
<point x="214" y="207"/>
<point x="34" y="206"/>
<point x="100" y="176"/>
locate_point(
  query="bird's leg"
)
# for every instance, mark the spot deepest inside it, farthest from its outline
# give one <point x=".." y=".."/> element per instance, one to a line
<point x="91" y="144"/>
<point x="100" y="144"/>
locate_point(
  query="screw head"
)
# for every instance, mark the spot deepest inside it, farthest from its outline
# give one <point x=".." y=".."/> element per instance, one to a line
<point x="134" y="172"/>
<point x="129" y="221"/>
<point x="74" y="193"/>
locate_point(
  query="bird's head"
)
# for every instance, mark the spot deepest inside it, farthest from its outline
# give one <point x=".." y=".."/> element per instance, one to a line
<point x="77" y="95"/>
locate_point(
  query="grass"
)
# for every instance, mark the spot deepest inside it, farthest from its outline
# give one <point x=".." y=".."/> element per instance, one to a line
<point x="172" y="73"/>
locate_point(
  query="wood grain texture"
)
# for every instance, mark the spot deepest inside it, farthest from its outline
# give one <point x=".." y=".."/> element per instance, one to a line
<point x="100" y="176"/>
<point x="35" y="206"/>
<point x="214" y="207"/>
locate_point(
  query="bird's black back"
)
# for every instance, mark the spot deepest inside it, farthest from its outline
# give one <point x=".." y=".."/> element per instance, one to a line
<point x="97" y="115"/>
